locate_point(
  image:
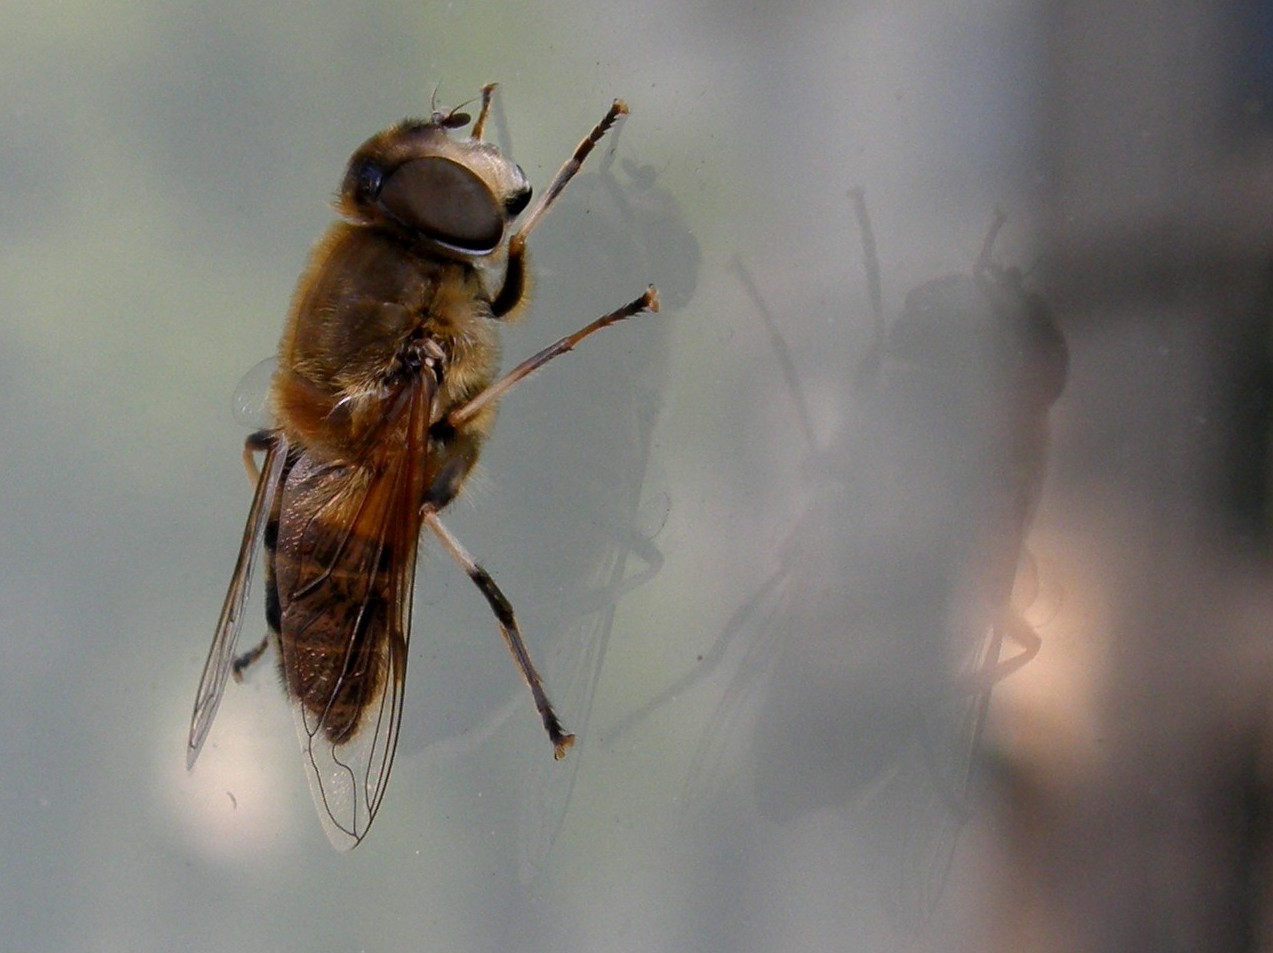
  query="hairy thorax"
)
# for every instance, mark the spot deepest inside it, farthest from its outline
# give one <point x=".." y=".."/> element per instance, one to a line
<point x="372" y="314"/>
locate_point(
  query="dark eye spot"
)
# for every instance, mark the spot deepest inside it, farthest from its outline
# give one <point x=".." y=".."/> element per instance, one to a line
<point x="369" y="180"/>
<point x="516" y="203"/>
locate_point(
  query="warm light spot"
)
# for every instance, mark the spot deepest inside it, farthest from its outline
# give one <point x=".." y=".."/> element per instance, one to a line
<point x="243" y="797"/>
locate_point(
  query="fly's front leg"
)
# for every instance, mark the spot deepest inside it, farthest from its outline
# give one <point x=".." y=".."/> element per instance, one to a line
<point x="567" y="172"/>
<point x="479" y="124"/>
<point x="514" y="289"/>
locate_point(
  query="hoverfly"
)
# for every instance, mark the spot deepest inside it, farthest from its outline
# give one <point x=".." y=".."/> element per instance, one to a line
<point x="385" y="389"/>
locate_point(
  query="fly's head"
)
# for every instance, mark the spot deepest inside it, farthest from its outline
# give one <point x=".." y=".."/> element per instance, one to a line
<point x="456" y="195"/>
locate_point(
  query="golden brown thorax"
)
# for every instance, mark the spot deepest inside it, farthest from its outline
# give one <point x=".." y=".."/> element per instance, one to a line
<point x="364" y="299"/>
<point x="419" y="269"/>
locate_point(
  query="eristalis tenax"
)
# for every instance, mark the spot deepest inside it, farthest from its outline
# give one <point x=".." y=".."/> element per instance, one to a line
<point x="385" y="388"/>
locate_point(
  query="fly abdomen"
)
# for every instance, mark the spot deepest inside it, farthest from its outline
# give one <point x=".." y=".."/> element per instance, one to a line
<point x="333" y="635"/>
<point x="331" y="582"/>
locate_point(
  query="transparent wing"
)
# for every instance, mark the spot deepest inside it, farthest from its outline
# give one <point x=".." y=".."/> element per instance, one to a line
<point x="221" y="655"/>
<point x="251" y="402"/>
<point x="928" y="798"/>
<point x="344" y="572"/>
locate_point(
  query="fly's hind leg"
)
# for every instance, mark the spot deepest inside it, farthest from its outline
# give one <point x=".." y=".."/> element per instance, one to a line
<point x="500" y="605"/>
<point x="503" y="609"/>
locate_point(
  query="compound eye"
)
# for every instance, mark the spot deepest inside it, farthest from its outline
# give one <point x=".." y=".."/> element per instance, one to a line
<point x="368" y="181"/>
<point x="446" y="202"/>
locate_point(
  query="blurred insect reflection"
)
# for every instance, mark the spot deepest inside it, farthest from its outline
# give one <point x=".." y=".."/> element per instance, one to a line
<point x="862" y="669"/>
<point x="619" y="505"/>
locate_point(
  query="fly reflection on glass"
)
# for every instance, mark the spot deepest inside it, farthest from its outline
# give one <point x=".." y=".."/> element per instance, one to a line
<point x="385" y="389"/>
<point x="632" y="224"/>
<point x="862" y="667"/>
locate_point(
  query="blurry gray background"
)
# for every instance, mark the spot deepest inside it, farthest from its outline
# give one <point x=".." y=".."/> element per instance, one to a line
<point x="164" y="169"/>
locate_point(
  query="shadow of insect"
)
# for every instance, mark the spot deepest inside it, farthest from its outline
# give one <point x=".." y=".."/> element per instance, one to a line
<point x="860" y="671"/>
<point x="617" y="497"/>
